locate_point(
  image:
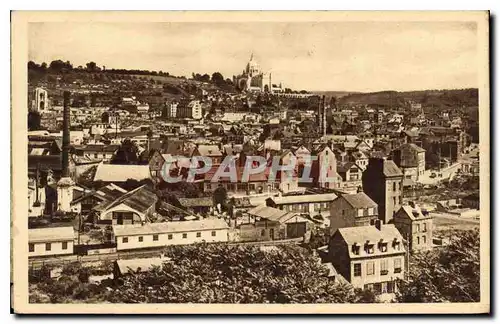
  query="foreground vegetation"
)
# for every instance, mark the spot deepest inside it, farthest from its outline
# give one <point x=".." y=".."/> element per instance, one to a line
<point x="219" y="273"/>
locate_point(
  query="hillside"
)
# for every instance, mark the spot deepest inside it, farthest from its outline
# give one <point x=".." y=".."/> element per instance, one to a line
<point x="444" y="99"/>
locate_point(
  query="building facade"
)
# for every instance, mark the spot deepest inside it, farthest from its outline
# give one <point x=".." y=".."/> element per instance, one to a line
<point x="129" y="237"/>
<point x="415" y="225"/>
<point x="383" y="183"/>
<point x="369" y="257"/>
<point x="50" y="241"/>
<point x="352" y="210"/>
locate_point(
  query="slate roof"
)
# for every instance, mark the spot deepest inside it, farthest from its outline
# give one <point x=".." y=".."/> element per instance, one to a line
<point x="391" y="169"/>
<point x="360" y="200"/>
<point x="414" y="213"/>
<point x="362" y="234"/>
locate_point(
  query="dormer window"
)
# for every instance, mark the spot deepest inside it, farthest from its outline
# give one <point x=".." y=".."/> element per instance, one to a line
<point x="396" y="244"/>
<point x="355" y="248"/>
<point x="382" y="246"/>
<point x="369" y="247"/>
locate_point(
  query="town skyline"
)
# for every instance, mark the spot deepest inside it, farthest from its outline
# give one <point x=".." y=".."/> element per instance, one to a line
<point x="440" y="55"/>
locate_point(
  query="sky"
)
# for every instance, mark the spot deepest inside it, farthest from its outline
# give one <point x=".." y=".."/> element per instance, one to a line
<point x="329" y="56"/>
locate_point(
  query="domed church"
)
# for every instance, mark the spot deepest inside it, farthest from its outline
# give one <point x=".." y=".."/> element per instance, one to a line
<point x="253" y="79"/>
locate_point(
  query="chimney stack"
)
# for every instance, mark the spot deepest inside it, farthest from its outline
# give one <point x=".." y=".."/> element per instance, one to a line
<point x="65" y="136"/>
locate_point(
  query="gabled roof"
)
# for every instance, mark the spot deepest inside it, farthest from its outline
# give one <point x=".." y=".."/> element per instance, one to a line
<point x="139" y="199"/>
<point x="51" y="234"/>
<point x="359" y="200"/>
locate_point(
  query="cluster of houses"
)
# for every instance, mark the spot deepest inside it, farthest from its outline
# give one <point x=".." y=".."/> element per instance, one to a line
<point x="360" y="200"/>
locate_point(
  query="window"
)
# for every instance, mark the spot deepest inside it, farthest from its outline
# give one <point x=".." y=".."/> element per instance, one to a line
<point x="400" y="200"/>
<point x="355" y="249"/>
<point x="397" y="265"/>
<point x="417" y="227"/>
<point x="371" y="211"/>
<point x="399" y="185"/>
<point x="209" y="186"/>
<point x="384" y="287"/>
<point x="343" y="212"/>
<point x="383" y="246"/>
<point x="393" y="186"/>
<point x="370" y="268"/>
<point x="95" y="155"/>
<point x="418" y="240"/>
<point x="155" y="237"/>
<point x="424" y="239"/>
<point x="263" y="232"/>
<point x="170" y="236"/>
<point x="141" y="238"/>
<point x="31" y="247"/>
<point x="425" y="227"/>
<point x="125" y="239"/>
<point x="213" y="233"/>
<point x="184" y="235"/>
<point x="357" y="269"/>
<point x="64" y="245"/>
<point x="369" y="248"/>
<point x="360" y="212"/>
<point x="383" y="267"/>
<point x="394" y="200"/>
<point x="198" y="234"/>
<point x="390" y="287"/>
<point x="48" y="246"/>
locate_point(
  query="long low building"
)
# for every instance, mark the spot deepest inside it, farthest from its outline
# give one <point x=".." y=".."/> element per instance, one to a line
<point x="50" y="241"/>
<point x="128" y="237"/>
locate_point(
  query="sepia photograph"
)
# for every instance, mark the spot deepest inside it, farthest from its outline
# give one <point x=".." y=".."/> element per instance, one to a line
<point x="250" y="162"/>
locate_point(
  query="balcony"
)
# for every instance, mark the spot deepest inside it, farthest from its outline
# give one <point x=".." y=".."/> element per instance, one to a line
<point x="397" y="270"/>
<point x="384" y="272"/>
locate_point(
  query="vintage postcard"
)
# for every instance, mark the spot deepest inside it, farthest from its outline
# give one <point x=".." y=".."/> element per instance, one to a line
<point x="250" y="162"/>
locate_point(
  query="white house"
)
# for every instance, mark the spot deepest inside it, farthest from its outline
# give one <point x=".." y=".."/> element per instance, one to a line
<point x="129" y="237"/>
<point x="50" y="241"/>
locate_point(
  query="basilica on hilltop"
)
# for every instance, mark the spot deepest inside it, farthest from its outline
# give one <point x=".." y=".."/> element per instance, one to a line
<point x="253" y="79"/>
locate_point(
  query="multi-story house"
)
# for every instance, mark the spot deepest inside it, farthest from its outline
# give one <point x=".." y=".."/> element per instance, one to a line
<point x="352" y="210"/>
<point x="351" y="176"/>
<point x="415" y="225"/>
<point x="411" y="159"/>
<point x="383" y="182"/>
<point x="190" y="110"/>
<point x="369" y="257"/>
<point x="324" y="168"/>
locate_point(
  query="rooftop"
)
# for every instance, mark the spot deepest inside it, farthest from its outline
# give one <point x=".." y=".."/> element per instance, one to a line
<point x="51" y="234"/>
<point x="170" y="227"/>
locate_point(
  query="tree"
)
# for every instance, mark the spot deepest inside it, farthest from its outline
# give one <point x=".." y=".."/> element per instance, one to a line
<point x="218" y="273"/>
<point x="217" y="78"/>
<point x="91" y="66"/>
<point x="34" y="121"/>
<point x="447" y="275"/>
<point x="127" y="153"/>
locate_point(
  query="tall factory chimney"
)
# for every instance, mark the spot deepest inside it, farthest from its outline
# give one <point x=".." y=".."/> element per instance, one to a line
<point x="65" y="185"/>
<point x="323" y="126"/>
<point x="65" y="135"/>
